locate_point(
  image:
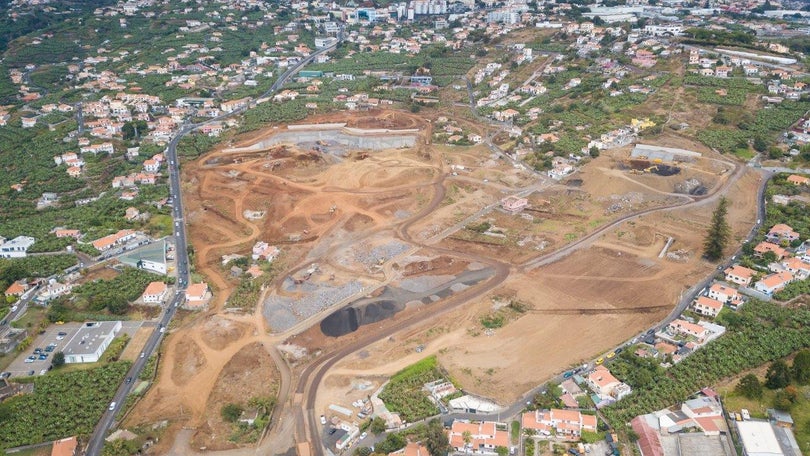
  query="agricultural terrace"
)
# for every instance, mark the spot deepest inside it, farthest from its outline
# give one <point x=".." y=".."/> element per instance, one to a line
<point x="404" y="393"/>
<point x="61" y="405"/>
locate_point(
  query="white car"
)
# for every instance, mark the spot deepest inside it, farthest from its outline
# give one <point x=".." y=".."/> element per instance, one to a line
<point x="14" y="308"/>
<point x="112" y="406"/>
<point x="363" y="435"/>
<point x="323" y="419"/>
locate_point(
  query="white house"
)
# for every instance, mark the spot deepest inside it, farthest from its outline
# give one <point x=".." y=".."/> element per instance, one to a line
<point x="17" y="247"/>
<point x="155" y="292"/>
<point x="772" y="283"/>
<point x="707" y="306"/>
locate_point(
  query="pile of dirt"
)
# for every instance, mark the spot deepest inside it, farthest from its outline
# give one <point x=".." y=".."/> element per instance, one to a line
<point x="220" y="332"/>
<point x="443" y="265"/>
<point x="691" y="186"/>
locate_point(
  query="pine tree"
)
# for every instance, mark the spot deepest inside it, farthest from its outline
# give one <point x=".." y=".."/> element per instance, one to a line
<point x="719" y="232"/>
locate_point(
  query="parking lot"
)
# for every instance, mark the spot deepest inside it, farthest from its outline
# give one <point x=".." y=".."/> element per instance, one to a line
<point x="56" y="336"/>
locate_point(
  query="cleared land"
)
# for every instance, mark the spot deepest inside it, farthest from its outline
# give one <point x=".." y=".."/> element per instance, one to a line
<point x="381" y="246"/>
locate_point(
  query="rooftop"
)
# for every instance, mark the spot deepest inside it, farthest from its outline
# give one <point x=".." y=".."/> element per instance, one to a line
<point x="89" y="337"/>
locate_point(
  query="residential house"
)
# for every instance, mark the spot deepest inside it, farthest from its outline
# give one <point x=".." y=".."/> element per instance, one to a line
<point x="107" y="242"/>
<point x="707" y="306"/>
<point x="264" y="251"/>
<point x="154" y="293"/>
<point x="603" y="383"/>
<point x="569" y="423"/>
<point x="484" y="437"/>
<point x="764" y="247"/>
<point x="798" y="267"/>
<point x="151" y="166"/>
<point x="197" y="294"/>
<point x="16" y="248"/>
<point x="686" y="328"/>
<point x="17" y="289"/>
<point x="781" y="232"/>
<point x="726" y="295"/>
<point x="411" y="449"/>
<point x="772" y="283"/>
<point x="61" y="233"/>
<point x="798" y="180"/>
<point x="739" y="275"/>
<point x="514" y="204"/>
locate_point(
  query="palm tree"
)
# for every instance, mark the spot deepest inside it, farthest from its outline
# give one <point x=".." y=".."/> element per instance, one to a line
<point x="467" y="437"/>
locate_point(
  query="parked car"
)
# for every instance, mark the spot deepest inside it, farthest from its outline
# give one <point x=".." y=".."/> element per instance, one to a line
<point x="323" y="419"/>
<point x="43" y="356"/>
<point x="30" y="359"/>
<point x="30" y="373"/>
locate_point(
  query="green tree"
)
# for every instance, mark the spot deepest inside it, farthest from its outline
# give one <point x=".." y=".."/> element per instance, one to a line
<point x="801" y="367"/>
<point x="231" y="412"/>
<point x="58" y="359"/>
<point x="750" y="387"/>
<point x="778" y="375"/>
<point x="786" y="398"/>
<point x="436" y="442"/>
<point x="593" y="152"/>
<point x="719" y="232"/>
<point x="363" y="451"/>
<point x="501" y="450"/>
<point x="377" y="425"/>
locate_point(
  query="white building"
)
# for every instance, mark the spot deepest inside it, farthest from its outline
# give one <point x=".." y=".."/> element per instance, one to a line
<point x="758" y="438"/>
<point x="90" y="341"/>
<point x="16" y="248"/>
<point x="155" y="293"/>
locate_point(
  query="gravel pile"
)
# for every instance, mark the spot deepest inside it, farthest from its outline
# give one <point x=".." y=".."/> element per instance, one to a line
<point x="283" y="313"/>
<point x="380" y="253"/>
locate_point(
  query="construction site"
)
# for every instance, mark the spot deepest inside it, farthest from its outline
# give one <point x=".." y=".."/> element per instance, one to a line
<point x="396" y="250"/>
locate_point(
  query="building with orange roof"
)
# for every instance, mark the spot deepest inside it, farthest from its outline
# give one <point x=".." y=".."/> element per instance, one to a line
<point x="570" y="423"/>
<point x="17" y="289"/>
<point x="155" y="293"/>
<point x="75" y="234"/>
<point x="484" y="436"/>
<point x="726" y="295"/>
<point x="798" y="267"/>
<point x="603" y="383"/>
<point x="65" y="447"/>
<point x="795" y="179"/>
<point x="107" y="242"/>
<point x="197" y="295"/>
<point x="739" y="275"/>
<point x="781" y="232"/>
<point x="684" y="327"/>
<point x="411" y="449"/>
<point x="764" y="247"/>
<point x="772" y="283"/>
<point x="707" y="306"/>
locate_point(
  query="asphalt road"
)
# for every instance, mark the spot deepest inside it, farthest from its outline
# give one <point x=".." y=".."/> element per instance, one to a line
<point x="108" y="419"/>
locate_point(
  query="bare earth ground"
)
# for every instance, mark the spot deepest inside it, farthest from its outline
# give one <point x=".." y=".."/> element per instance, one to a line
<point x="136" y="344"/>
<point x="334" y="211"/>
